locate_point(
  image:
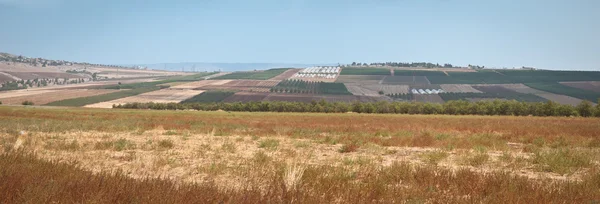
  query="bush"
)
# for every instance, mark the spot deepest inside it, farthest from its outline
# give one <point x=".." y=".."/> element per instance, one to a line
<point x="27" y="103"/>
<point x="352" y="147"/>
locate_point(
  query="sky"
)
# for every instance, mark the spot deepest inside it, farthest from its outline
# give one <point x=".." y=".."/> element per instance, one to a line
<point x="548" y="34"/>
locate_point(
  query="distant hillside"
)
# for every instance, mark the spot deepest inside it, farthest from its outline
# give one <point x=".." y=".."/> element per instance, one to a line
<point x="225" y="67"/>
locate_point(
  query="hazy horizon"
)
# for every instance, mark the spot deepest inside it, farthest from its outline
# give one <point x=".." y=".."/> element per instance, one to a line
<point x="551" y="34"/>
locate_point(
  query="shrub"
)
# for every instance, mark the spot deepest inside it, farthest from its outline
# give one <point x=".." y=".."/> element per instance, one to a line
<point x="270" y="144"/>
<point x="27" y="103"/>
<point x="352" y="147"/>
<point x="165" y="144"/>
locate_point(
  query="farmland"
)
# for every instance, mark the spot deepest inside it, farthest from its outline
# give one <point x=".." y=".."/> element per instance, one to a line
<point x="47" y="96"/>
<point x="159" y="96"/>
<point x="309" y="87"/>
<point x="585" y="85"/>
<point x="245" y="97"/>
<point x="280" y="157"/>
<point x="256" y="75"/>
<point x="244" y="85"/>
<point x="365" y="71"/>
<point x="557" y="88"/>
<point x="410" y="80"/>
<point x="209" y="96"/>
<point x="360" y="79"/>
<point x="82" y="101"/>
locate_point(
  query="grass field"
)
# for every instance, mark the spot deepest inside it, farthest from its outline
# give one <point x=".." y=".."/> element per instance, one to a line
<point x="557" y="88"/>
<point x="209" y="97"/>
<point x="191" y="157"/>
<point x="258" y="75"/>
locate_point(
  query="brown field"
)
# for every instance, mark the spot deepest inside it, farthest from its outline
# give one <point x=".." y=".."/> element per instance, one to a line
<point x="359" y="90"/>
<point x="43" y="75"/>
<point x="293" y="157"/>
<point x="48" y="96"/>
<point x="289" y="97"/>
<point x="5" y="78"/>
<point x="286" y="75"/>
<point x="360" y="79"/>
<point x="585" y="85"/>
<point x="23" y="92"/>
<point x="459" y="88"/>
<point x="244" y="85"/>
<point x="201" y="84"/>
<point x="389" y="89"/>
<point x="245" y="97"/>
<point x="428" y="98"/>
<point x="160" y="96"/>
<point x="405" y="80"/>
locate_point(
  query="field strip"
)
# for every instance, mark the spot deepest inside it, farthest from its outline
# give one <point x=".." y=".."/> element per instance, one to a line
<point x="200" y="84"/>
<point x="23" y="92"/>
<point x="50" y="96"/>
<point x="160" y="96"/>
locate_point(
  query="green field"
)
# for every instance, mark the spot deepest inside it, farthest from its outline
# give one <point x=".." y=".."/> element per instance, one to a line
<point x="557" y="88"/>
<point x="365" y="71"/>
<point x="418" y="73"/>
<point x="189" y="78"/>
<point x="209" y="97"/>
<point x="300" y="86"/>
<point x="103" y="98"/>
<point x="258" y="75"/>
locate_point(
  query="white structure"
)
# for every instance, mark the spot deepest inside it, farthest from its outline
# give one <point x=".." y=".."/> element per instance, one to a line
<point x="319" y="72"/>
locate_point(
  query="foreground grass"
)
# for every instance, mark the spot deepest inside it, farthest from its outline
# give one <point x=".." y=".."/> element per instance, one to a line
<point x="27" y="179"/>
<point x="492" y="132"/>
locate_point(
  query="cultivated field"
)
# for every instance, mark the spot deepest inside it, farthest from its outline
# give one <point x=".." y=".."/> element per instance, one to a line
<point x="286" y="75"/>
<point x="360" y="90"/>
<point x="360" y="79"/>
<point x="284" y="157"/>
<point x="201" y="84"/>
<point x="245" y="97"/>
<point x="428" y="98"/>
<point x="405" y="80"/>
<point x="585" y="85"/>
<point x="159" y="96"/>
<point x="42" y="97"/>
<point x="244" y="85"/>
<point x="459" y="88"/>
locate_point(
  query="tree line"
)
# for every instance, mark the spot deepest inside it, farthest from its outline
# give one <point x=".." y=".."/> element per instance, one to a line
<point x="404" y="64"/>
<point x="460" y="107"/>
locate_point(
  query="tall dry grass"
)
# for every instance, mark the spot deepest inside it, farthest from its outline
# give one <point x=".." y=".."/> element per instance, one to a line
<point x="26" y="179"/>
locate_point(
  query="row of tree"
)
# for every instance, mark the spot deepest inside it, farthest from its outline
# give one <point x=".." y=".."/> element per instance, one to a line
<point x="404" y="64"/>
<point x="515" y="108"/>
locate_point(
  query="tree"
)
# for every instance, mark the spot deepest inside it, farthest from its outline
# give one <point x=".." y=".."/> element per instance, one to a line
<point x="585" y="109"/>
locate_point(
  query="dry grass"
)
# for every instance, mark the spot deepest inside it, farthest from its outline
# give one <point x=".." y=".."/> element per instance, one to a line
<point x="106" y="156"/>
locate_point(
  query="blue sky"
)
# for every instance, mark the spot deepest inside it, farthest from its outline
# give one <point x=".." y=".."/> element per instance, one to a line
<point x="553" y="34"/>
